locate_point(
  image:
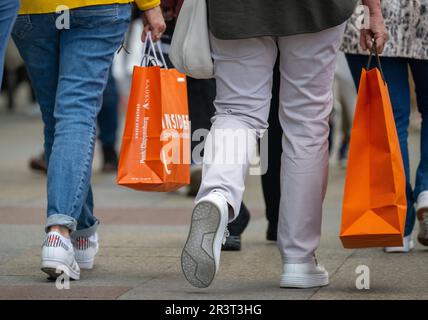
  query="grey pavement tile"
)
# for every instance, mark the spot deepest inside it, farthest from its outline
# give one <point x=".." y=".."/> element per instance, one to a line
<point x="392" y="276"/>
<point x="17" y="240"/>
<point x="20" y="292"/>
<point x="175" y="287"/>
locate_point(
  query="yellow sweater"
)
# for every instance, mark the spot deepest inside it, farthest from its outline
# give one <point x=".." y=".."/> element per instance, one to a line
<point x="47" y="6"/>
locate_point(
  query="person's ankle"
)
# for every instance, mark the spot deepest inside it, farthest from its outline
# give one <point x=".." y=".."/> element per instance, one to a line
<point x="64" y="231"/>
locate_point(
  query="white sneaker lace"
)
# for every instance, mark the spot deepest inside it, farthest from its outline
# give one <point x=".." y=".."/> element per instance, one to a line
<point x="226" y="234"/>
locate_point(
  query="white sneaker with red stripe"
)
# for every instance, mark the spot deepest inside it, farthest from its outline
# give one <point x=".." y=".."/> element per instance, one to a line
<point x="85" y="249"/>
<point x="58" y="257"/>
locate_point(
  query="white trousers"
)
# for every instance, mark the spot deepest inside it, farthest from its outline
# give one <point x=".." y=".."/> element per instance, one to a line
<point x="243" y="71"/>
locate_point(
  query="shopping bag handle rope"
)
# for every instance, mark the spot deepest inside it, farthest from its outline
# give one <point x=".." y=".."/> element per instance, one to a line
<point x="151" y="48"/>
<point x="373" y="51"/>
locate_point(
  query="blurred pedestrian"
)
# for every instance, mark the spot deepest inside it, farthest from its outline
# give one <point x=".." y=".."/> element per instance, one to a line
<point x="307" y="34"/>
<point x="108" y="122"/>
<point x="345" y="97"/>
<point x="68" y="60"/>
<point x="407" y="24"/>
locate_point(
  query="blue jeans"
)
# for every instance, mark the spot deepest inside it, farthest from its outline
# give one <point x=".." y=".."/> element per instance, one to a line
<point x="8" y="13"/>
<point x="396" y="76"/>
<point x="68" y="69"/>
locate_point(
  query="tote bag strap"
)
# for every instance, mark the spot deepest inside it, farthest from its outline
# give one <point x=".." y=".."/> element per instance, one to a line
<point x="373" y="51"/>
<point x="149" y="48"/>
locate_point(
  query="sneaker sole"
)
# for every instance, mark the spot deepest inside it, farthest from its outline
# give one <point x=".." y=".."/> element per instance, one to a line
<point x="50" y="268"/>
<point x="197" y="260"/>
<point x="304" y="281"/>
<point x="422" y="214"/>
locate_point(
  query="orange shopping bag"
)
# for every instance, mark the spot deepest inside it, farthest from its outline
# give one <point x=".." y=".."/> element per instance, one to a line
<point x="155" y="152"/>
<point x="374" y="205"/>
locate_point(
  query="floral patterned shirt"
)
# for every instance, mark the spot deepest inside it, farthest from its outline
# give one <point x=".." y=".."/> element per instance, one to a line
<point x="407" y="24"/>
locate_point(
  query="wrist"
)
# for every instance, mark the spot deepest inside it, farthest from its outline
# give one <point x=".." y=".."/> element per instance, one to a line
<point x="376" y="15"/>
<point x="374" y="6"/>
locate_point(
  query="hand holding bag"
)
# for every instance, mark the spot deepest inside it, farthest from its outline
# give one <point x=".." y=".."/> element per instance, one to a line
<point x="374" y="205"/>
<point x="190" y="50"/>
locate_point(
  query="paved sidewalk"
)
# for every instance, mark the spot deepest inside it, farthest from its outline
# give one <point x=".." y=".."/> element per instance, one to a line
<point x="142" y="235"/>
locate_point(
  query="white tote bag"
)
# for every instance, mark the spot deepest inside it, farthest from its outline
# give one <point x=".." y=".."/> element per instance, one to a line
<point x="190" y="50"/>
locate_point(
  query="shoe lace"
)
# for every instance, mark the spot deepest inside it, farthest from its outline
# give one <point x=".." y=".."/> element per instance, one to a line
<point x="226" y="235"/>
<point x="317" y="264"/>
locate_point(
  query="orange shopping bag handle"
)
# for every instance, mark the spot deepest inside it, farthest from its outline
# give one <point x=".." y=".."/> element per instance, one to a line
<point x="373" y="51"/>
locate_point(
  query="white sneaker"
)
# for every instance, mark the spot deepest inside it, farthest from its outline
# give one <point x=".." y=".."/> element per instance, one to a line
<point x="85" y="249"/>
<point x="422" y="214"/>
<point x="304" y="275"/>
<point x="58" y="257"/>
<point x="201" y="254"/>
<point x="407" y="246"/>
